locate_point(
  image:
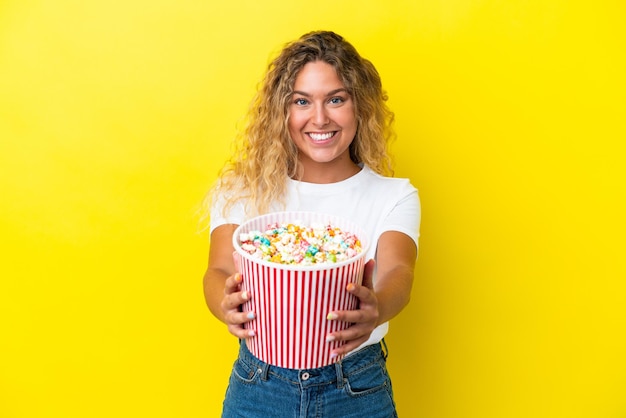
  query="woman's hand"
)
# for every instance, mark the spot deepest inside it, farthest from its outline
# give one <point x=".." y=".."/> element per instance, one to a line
<point x="395" y="263"/>
<point x="222" y="283"/>
<point x="364" y="318"/>
<point x="232" y="313"/>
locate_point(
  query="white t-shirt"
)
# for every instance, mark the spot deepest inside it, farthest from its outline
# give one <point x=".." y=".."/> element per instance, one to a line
<point x="376" y="203"/>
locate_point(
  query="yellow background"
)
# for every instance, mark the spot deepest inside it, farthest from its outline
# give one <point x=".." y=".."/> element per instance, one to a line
<point x="116" y="115"/>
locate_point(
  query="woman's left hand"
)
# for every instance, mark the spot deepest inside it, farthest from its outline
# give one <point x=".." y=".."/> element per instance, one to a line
<point x="364" y="319"/>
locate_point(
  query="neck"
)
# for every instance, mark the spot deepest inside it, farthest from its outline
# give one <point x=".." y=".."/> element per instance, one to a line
<point x="325" y="173"/>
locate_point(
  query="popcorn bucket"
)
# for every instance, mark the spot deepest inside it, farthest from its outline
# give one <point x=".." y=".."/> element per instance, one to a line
<point x="292" y="301"/>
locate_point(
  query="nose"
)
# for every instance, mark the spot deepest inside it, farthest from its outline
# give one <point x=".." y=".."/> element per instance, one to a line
<point x="320" y="116"/>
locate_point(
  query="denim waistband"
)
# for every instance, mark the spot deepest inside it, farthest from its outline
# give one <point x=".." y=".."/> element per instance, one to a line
<point x="333" y="373"/>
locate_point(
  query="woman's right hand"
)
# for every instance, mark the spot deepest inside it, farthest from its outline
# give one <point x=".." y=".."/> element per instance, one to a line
<point x="231" y="307"/>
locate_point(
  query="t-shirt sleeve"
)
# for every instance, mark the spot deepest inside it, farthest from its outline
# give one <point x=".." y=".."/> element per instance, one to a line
<point x="405" y="216"/>
<point x="236" y="213"/>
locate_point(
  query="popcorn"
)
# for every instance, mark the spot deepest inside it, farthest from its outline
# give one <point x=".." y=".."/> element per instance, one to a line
<point x="295" y="243"/>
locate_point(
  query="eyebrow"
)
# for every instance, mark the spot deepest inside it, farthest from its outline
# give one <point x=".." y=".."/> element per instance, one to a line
<point x="330" y="93"/>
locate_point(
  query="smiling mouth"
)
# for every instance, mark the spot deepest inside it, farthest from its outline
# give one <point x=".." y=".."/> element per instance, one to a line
<point x="321" y="136"/>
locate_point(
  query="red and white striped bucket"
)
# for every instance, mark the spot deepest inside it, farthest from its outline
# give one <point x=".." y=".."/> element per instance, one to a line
<point x="292" y="302"/>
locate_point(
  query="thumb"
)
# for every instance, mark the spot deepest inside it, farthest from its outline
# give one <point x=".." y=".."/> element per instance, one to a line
<point x="368" y="274"/>
<point x="237" y="261"/>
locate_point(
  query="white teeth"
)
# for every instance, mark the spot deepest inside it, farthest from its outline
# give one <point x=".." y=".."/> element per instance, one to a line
<point x="321" y="137"/>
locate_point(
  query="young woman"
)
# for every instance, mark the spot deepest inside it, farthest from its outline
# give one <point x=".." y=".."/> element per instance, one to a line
<point x="317" y="140"/>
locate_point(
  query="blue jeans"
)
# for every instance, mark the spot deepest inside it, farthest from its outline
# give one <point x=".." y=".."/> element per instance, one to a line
<point x="358" y="386"/>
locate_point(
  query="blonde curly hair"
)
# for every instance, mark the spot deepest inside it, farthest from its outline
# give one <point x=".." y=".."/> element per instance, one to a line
<point x="265" y="155"/>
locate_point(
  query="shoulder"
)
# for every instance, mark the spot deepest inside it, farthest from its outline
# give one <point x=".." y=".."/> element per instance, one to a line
<point x="393" y="184"/>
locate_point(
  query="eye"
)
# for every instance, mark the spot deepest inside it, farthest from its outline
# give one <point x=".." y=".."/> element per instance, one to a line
<point x="336" y="100"/>
<point x="300" y="102"/>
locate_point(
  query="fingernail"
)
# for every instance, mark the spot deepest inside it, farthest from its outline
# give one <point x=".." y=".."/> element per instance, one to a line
<point x="251" y="333"/>
<point x="333" y="355"/>
<point x="331" y="316"/>
<point x="245" y="295"/>
<point x="238" y="278"/>
<point x="251" y="315"/>
<point x="330" y="338"/>
<point x="350" y="287"/>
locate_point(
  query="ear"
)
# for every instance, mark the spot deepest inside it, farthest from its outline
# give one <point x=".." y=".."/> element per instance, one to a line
<point x="237" y="261"/>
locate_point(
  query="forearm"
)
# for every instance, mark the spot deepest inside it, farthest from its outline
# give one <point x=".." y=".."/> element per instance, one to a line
<point x="220" y="267"/>
<point x="214" y="280"/>
<point x="393" y="292"/>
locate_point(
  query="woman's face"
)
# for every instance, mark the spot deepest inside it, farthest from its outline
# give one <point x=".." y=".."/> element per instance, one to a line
<point x="322" y="123"/>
